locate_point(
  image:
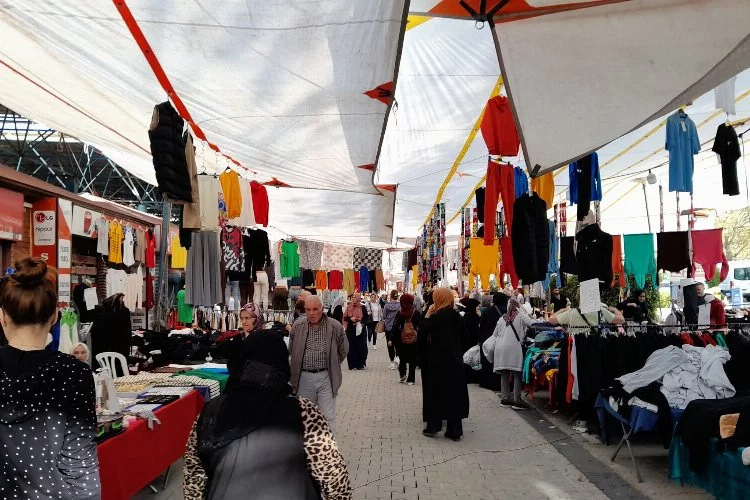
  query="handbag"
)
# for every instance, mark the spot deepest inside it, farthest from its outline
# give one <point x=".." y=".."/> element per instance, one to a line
<point x="358" y="328"/>
<point x="472" y="358"/>
<point x="380" y="326"/>
<point x="488" y="348"/>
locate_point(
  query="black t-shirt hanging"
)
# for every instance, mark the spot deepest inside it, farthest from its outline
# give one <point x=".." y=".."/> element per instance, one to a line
<point x="727" y="146"/>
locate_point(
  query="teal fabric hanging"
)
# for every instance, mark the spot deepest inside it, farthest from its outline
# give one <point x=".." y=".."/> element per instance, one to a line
<point x="640" y="258"/>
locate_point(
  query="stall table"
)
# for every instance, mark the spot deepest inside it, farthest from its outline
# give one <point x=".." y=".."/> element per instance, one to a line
<point x="132" y="460"/>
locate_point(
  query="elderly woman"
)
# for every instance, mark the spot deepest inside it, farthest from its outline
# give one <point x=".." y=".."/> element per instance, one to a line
<point x="444" y="392"/>
<point x="355" y="319"/>
<point x="251" y="320"/>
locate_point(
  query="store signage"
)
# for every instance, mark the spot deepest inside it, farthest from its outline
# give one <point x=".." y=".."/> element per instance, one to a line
<point x="11" y="215"/>
<point x="44" y="230"/>
<point x="64" y="249"/>
<point x="84" y="221"/>
<point x="44" y="227"/>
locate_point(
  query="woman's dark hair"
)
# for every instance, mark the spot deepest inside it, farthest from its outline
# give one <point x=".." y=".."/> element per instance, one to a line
<point x="299" y="306"/>
<point x="637" y="292"/>
<point x="394" y="294"/>
<point x="29" y="296"/>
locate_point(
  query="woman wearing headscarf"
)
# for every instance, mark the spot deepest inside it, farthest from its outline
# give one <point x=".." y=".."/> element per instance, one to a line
<point x="405" y="335"/>
<point x="337" y="310"/>
<point x="508" y="356"/>
<point x="487" y="323"/>
<point x="444" y="392"/>
<point x="259" y="440"/>
<point x="251" y="320"/>
<point x="355" y="319"/>
<point x="390" y="313"/>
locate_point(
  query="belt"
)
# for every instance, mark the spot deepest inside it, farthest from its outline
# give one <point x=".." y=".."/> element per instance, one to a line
<point x="315" y="371"/>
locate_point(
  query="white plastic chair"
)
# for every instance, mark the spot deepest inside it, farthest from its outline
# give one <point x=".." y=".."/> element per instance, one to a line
<point x="107" y="360"/>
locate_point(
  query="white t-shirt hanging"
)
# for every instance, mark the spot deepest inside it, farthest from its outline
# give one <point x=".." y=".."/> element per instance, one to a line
<point x="724" y="96"/>
<point x="128" y="253"/>
<point x="102" y="231"/>
<point x="91" y="299"/>
<point x="247" y="216"/>
<point x="208" y="187"/>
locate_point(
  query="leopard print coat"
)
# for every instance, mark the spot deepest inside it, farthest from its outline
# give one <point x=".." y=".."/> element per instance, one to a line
<point x="324" y="461"/>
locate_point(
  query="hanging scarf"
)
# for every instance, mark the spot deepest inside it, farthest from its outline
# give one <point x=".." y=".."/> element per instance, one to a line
<point x="513" y="308"/>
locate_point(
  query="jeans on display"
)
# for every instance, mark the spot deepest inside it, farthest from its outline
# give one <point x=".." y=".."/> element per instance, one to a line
<point x="175" y="282"/>
<point x="232" y="291"/>
<point x="371" y="333"/>
<point x="260" y="290"/>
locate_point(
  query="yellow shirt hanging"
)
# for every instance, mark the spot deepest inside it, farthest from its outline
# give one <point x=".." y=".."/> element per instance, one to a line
<point x="484" y="261"/>
<point x="544" y="186"/>
<point x="179" y="254"/>
<point x="115" y="242"/>
<point x="230" y="186"/>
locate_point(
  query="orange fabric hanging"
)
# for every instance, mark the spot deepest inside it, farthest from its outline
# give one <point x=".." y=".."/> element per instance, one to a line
<point x="617" y="267"/>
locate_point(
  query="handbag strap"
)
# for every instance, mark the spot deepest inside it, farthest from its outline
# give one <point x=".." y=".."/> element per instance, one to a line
<point x="584" y="317"/>
<point x="515" y="332"/>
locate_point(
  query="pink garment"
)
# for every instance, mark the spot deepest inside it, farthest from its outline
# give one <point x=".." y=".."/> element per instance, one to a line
<point x="708" y="250"/>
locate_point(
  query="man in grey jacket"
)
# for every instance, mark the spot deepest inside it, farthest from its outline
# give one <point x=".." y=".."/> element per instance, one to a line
<point x="318" y="346"/>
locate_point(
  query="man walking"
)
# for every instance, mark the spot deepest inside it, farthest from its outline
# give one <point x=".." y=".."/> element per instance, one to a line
<point x="318" y="346"/>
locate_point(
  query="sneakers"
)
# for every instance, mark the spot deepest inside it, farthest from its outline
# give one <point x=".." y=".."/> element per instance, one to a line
<point x="393" y="366"/>
<point x="520" y="406"/>
<point x="403" y="379"/>
<point x="506" y="403"/>
<point x="410" y="383"/>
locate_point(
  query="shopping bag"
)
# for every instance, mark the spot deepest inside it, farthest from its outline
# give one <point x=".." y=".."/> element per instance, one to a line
<point x="359" y="329"/>
<point x="488" y="348"/>
<point x="473" y="358"/>
<point x="380" y="326"/>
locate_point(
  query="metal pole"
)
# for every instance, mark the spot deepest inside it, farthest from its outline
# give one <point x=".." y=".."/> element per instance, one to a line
<point x="162" y="292"/>
<point x="648" y="216"/>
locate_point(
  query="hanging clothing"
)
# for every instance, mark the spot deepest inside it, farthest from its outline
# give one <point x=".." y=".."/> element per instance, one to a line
<point x="230" y="187"/>
<point x="708" y="251"/>
<point x="500" y="182"/>
<point x="203" y="274"/>
<point x="232" y="249"/>
<point x="208" y="189"/>
<point x="640" y="258"/>
<point x="499" y="128"/>
<point x="321" y="280"/>
<point x="618" y="269"/>
<point x="553" y="266"/>
<point x="335" y="280"/>
<point x="594" y="255"/>
<point x="364" y="279"/>
<point x="260" y="202"/>
<point x="544" y="186"/>
<point x="247" y="214"/>
<point x="336" y="257"/>
<point x="371" y="258"/>
<point x="521" y="182"/>
<point x="357" y="283"/>
<point x="484" y="261"/>
<point x="585" y="183"/>
<point x="673" y="251"/>
<point x="128" y="247"/>
<point x="191" y="218"/>
<point x="682" y="144"/>
<point x="568" y="262"/>
<point x="507" y="266"/>
<point x="530" y="243"/>
<point x="290" y="259"/>
<point x="140" y="245"/>
<point x="150" y="249"/>
<point x="379" y="279"/>
<point x="349" y="284"/>
<point x="115" y="242"/>
<point x="179" y="254"/>
<point x="479" y="195"/>
<point x="102" y="236"/>
<point x="257" y="252"/>
<point x="724" y="96"/>
<point x="727" y="146"/>
<point x="168" y="154"/>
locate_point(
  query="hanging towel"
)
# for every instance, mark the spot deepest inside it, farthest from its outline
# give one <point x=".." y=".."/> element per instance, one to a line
<point x="544" y="186"/>
<point x="521" y="182"/>
<point x="708" y="251"/>
<point x="672" y="251"/>
<point x="618" y="271"/>
<point x="640" y="260"/>
<point x="499" y="128"/>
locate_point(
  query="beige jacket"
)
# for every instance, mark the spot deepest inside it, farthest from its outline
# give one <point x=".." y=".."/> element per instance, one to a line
<point x="338" y="348"/>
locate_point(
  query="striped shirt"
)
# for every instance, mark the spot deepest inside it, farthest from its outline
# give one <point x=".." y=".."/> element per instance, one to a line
<point x="316" y="348"/>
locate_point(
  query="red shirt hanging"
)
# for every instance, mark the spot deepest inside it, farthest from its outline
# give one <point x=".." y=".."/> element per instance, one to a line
<point x="260" y="202"/>
<point x="150" y="249"/>
<point x="499" y="129"/>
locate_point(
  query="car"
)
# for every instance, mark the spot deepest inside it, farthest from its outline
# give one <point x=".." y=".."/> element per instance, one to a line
<point x="738" y="277"/>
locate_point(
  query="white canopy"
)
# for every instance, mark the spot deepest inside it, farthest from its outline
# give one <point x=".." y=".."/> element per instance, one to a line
<point x="279" y="87"/>
<point x="579" y="75"/>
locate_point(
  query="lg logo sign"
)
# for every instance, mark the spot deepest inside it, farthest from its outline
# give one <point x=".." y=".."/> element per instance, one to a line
<point x="41" y="217"/>
<point x="44" y="227"/>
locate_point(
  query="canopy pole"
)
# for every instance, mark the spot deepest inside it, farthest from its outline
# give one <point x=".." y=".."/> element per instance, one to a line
<point x="163" y="300"/>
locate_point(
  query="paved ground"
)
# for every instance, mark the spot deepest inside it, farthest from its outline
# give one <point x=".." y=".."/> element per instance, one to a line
<point x="504" y="454"/>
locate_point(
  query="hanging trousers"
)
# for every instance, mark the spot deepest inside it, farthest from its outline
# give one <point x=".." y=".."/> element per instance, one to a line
<point x="500" y="182"/>
<point x="260" y="289"/>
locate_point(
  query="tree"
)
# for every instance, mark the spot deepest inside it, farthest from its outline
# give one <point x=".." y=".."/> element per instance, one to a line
<point x="736" y="225"/>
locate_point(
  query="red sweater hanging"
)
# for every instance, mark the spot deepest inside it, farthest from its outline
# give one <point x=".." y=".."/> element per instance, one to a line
<point x="499" y="129"/>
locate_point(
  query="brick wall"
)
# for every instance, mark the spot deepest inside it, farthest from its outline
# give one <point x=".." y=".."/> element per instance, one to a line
<point x="22" y="249"/>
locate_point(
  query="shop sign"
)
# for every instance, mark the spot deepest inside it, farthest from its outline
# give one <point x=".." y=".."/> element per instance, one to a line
<point x="11" y="215"/>
<point x="64" y="249"/>
<point x="44" y="227"/>
<point x="44" y="230"/>
<point x="84" y="221"/>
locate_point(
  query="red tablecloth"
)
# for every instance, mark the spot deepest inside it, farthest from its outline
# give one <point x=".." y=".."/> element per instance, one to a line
<point x="131" y="461"/>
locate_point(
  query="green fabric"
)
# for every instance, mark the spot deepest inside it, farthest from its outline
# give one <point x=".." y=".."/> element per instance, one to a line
<point x="289" y="259"/>
<point x="184" y="311"/>
<point x="219" y="377"/>
<point x="69" y="319"/>
<point x="720" y="340"/>
<point x="640" y="258"/>
<point x="725" y="477"/>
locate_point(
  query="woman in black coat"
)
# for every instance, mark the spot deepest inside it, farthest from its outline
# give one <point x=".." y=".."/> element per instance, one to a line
<point x="470" y="309"/>
<point x="444" y="392"/>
